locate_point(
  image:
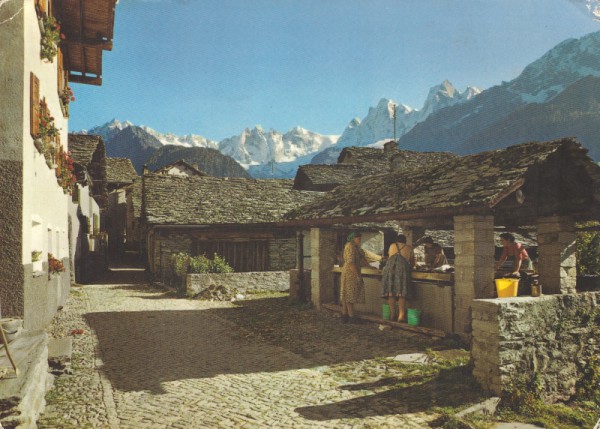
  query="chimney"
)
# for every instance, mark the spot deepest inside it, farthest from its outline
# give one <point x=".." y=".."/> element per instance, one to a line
<point x="145" y="170"/>
<point x="390" y="146"/>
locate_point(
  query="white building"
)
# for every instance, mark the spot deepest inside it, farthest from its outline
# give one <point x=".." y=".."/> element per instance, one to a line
<point x="34" y="110"/>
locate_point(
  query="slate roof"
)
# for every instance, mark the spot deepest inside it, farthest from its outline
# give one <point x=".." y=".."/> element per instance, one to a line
<point x="364" y="155"/>
<point x="477" y="181"/>
<point x="323" y="177"/>
<point x="120" y="171"/>
<point x="83" y="147"/>
<point x="403" y="160"/>
<point x="209" y="200"/>
<point x="364" y="161"/>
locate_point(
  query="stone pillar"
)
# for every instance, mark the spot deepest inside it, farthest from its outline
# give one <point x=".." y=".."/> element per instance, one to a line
<point x="474" y="266"/>
<point x="323" y="258"/>
<point x="557" y="261"/>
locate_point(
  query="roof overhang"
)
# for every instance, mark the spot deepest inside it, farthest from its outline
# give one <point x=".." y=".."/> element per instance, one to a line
<point x="87" y="26"/>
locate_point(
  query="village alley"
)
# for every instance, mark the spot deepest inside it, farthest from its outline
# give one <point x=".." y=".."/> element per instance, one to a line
<point x="149" y="359"/>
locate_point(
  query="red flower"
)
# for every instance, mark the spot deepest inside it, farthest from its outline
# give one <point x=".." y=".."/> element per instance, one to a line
<point x="62" y="36"/>
<point x="72" y="98"/>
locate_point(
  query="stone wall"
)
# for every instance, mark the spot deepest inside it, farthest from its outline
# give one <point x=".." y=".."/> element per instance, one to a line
<point x="164" y="248"/>
<point x="282" y="254"/>
<point x="278" y="281"/>
<point x="549" y="339"/>
<point x="44" y="295"/>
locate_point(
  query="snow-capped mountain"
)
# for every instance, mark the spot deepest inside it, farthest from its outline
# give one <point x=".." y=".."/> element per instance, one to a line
<point x="379" y="122"/>
<point x="257" y="146"/>
<point x="564" y="64"/>
<point x="254" y="146"/>
<point x="188" y="140"/>
<point x="541" y="81"/>
<point x="108" y="130"/>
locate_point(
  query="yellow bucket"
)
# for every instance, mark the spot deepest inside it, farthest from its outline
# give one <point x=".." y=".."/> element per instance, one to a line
<point x="507" y="287"/>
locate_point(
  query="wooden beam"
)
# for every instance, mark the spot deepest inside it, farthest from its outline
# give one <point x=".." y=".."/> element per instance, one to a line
<point x="505" y="193"/>
<point x="414" y="215"/>
<point x="89" y="80"/>
<point x="106" y="45"/>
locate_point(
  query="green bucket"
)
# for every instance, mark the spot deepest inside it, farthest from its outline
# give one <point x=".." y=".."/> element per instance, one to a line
<point x="385" y="312"/>
<point x="414" y="317"/>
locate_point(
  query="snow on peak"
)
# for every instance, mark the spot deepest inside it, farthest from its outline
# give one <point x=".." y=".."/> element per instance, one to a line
<point x="562" y="65"/>
<point x="378" y="125"/>
<point x="253" y="146"/>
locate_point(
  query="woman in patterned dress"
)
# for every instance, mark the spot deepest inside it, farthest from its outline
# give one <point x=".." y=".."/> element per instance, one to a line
<point x="352" y="288"/>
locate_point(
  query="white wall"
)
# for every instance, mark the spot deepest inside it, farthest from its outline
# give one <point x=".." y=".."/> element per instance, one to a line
<point x="44" y="200"/>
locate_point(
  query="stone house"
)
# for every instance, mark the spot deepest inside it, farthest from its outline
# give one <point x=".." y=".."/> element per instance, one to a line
<point x="180" y="168"/>
<point x="86" y="244"/>
<point x="133" y="213"/>
<point x="233" y="217"/>
<point x="355" y="162"/>
<point x="120" y="174"/>
<point x="34" y="113"/>
<point x="544" y="187"/>
<point x="35" y="176"/>
<point x="133" y="199"/>
<point x="89" y="151"/>
<point x="475" y="185"/>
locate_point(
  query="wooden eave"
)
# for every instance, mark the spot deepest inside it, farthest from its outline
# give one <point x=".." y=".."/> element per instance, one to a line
<point x="87" y="26"/>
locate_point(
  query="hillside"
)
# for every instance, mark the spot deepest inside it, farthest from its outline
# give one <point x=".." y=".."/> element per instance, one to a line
<point x="134" y="143"/>
<point x="575" y="112"/>
<point x="211" y="161"/>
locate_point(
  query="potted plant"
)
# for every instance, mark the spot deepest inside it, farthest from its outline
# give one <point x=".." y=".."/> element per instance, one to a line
<point x="55" y="266"/>
<point x="50" y="38"/>
<point x="35" y="255"/>
<point x="64" y="171"/>
<point x="66" y="96"/>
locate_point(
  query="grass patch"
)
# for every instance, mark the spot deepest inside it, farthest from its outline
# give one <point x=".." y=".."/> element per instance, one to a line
<point x="574" y="415"/>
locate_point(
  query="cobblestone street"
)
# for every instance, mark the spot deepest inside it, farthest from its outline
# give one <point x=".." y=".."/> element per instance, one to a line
<point x="148" y="359"/>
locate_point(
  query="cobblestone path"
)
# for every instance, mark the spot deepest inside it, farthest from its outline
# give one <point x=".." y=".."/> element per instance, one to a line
<point x="148" y="359"/>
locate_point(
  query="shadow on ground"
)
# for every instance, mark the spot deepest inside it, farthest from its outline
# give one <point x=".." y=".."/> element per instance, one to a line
<point x="141" y="350"/>
<point x="450" y="388"/>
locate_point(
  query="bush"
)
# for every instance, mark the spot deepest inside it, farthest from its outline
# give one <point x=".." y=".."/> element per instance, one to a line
<point x="200" y="264"/>
<point x="588" y="253"/>
<point x="183" y="264"/>
<point x="220" y="265"/>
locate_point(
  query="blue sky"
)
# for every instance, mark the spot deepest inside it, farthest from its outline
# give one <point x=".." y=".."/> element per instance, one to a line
<point x="215" y="67"/>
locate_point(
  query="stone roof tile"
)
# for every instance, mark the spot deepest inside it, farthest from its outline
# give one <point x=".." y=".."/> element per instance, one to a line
<point x="215" y="200"/>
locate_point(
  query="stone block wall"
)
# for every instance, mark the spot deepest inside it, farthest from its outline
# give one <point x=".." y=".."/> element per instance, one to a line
<point x="557" y="254"/>
<point x="282" y="254"/>
<point x="549" y="339"/>
<point x="276" y="281"/>
<point x="474" y="266"/>
<point x="164" y="248"/>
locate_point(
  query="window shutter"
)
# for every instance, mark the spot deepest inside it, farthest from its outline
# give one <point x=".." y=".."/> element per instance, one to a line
<point x="34" y="105"/>
<point x="61" y="74"/>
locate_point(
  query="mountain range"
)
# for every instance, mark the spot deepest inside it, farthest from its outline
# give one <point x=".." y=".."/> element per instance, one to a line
<point x="552" y="97"/>
<point x="454" y="128"/>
